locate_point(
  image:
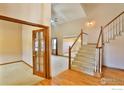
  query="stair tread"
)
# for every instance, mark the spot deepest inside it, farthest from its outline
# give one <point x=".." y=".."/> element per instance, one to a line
<point x="81" y="55"/>
<point x="83" y="67"/>
<point x="84" y="58"/>
<point x="85" y="62"/>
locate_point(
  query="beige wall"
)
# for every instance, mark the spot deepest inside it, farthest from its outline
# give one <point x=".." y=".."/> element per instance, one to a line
<point x="10" y="42"/>
<point x="27" y="30"/>
<point x="25" y="11"/>
<point x="33" y="12"/>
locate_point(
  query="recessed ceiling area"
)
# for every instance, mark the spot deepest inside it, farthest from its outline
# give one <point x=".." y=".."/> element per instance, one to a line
<point x="62" y="13"/>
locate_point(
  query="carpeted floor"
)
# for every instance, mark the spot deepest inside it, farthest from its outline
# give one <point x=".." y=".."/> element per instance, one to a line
<point x="17" y="74"/>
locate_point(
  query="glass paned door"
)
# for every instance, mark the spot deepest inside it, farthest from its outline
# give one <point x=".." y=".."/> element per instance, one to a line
<point x="39" y="53"/>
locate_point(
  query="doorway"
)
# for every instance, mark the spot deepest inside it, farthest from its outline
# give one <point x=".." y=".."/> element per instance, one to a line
<point x="54" y="46"/>
<point x="41" y="52"/>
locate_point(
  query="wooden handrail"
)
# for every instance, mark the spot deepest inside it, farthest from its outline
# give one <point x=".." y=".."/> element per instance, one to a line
<point x="70" y="47"/>
<point x="101" y="32"/>
<point x="78" y="38"/>
<point x="113" y="19"/>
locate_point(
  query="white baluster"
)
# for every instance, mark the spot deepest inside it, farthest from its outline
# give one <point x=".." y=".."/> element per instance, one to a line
<point x="123" y="23"/>
<point x="113" y="37"/>
<point x="119" y="26"/>
<point x="108" y="35"/>
<point x="114" y="29"/>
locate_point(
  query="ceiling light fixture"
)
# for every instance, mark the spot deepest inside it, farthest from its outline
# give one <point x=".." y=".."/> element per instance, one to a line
<point x="90" y="23"/>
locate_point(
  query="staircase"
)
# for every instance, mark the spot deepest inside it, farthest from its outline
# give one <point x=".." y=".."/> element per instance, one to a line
<point x="84" y="60"/>
<point x="89" y="57"/>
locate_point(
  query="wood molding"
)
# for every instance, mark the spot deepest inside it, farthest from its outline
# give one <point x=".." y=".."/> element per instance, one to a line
<point x="27" y="64"/>
<point x="16" y="62"/>
<point x="113" y="68"/>
<point x="10" y="62"/>
<point x="21" y="21"/>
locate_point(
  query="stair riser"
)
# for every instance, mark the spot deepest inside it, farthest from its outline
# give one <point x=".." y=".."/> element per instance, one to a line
<point x="87" y="53"/>
<point x="85" y="60"/>
<point x="84" y="67"/>
<point x="83" y="64"/>
<point x="90" y="72"/>
<point x="87" y="56"/>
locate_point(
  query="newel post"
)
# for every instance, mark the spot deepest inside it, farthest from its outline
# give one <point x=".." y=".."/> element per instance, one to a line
<point x="69" y="57"/>
<point x="81" y="37"/>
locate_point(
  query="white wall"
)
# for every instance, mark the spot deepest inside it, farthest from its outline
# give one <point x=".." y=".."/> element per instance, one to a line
<point x="59" y="35"/>
<point x="27" y="44"/>
<point x="114" y="53"/>
<point x="68" y="29"/>
<point x="101" y="14"/>
<point x="10" y="42"/>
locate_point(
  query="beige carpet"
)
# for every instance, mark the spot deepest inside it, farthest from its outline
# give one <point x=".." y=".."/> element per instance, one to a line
<point x="17" y="74"/>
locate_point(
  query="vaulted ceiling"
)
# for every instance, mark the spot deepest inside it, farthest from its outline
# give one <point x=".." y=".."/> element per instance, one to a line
<point x="62" y="13"/>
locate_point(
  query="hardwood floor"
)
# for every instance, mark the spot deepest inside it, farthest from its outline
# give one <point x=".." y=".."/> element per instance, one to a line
<point x="70" y="77"/>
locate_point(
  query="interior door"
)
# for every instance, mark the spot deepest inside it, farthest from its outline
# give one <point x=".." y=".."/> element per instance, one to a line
<point x="39" y="53"/>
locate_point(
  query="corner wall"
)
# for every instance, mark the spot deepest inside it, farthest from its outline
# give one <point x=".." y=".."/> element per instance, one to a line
<point x="10" y="42"/>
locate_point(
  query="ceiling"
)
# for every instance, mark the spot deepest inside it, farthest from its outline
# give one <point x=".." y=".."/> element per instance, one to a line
<point x="62" y="13"/>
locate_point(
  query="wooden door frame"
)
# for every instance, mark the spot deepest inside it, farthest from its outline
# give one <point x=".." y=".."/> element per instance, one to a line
<point x="45" y="28"/>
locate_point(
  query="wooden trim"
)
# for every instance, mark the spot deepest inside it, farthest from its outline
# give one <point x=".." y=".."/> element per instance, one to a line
<point x="48" y="75"/>
<point x="113" y="68"/>
<point x="113" y="19"/>
<point x="16" y="62"/>
<point x="70" y="47"/>
<point x="21" y="21"/>
<point x="11" y="62"/>
<point x="78" y="38"/>
<point x="75" y="40"/>
<point x="46" y="55"/>
<point x="101" y="32"/>
<point x="27" y="64"/>
<point x="34" y="53"/>
<point x="73" y="36"/>
<point x="61" y="55"/>
<point x="69" y="58"/>
<point x="81" y="37"/>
